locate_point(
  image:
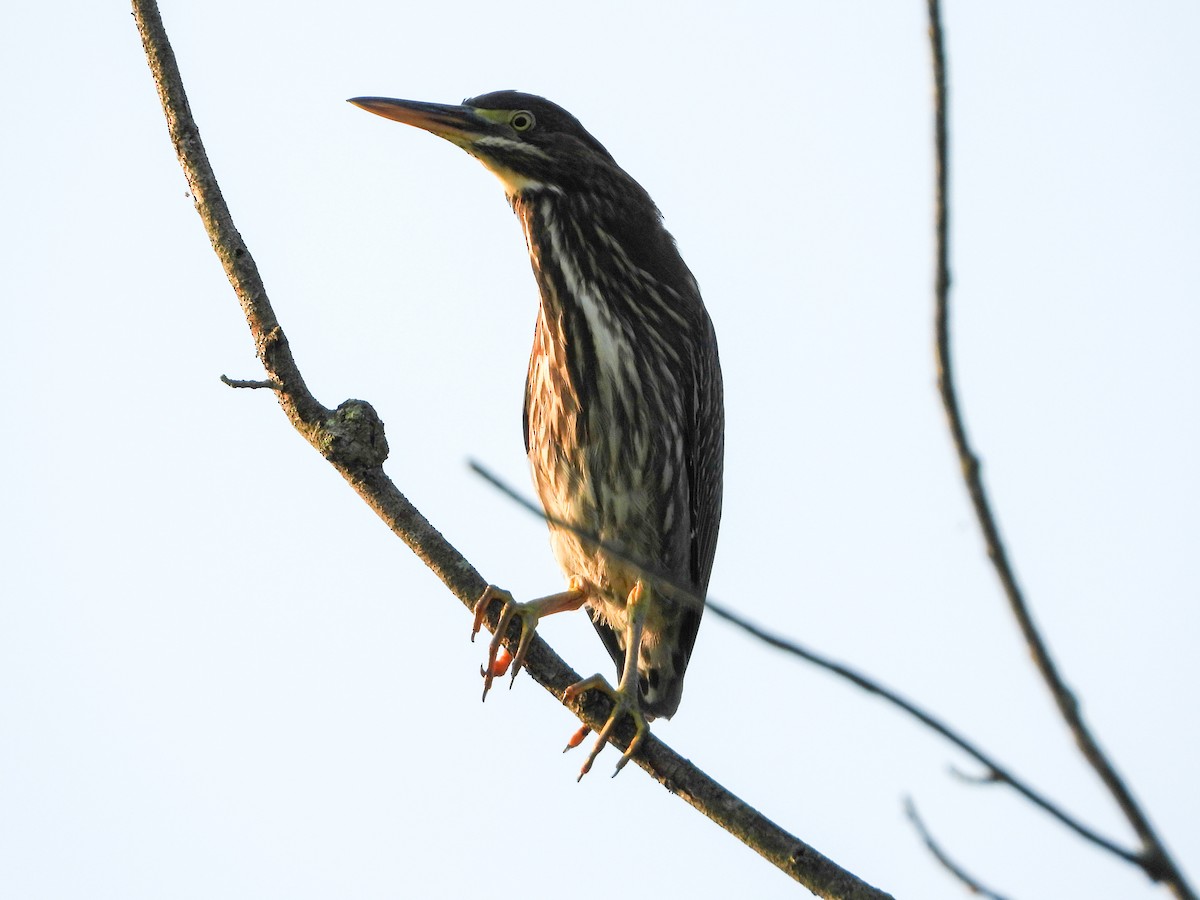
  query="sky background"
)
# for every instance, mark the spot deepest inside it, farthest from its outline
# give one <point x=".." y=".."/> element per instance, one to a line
<point x="222" y="676"/>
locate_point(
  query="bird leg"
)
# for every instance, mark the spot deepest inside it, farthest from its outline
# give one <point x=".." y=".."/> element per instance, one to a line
<point x="625" y="697"/>
<point x="529" y="614"/>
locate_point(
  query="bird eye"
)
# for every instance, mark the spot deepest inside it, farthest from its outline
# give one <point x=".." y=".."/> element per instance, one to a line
<point x="521" y="120"/>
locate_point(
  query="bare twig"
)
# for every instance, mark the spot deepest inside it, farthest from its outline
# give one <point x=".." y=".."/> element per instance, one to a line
<point x="991" y="776"/>
<point x="352" y="439"/>
<point x="940" y="855"/>
<point x="252" y="385"/>
<point x="1154" y="858"/>
<point x="998" y="772"/>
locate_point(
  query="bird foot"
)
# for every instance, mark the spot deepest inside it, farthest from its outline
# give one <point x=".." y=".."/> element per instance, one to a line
<point x="500" y="666"/>
<point x="499" y="660"/>
<point x="625" y="702"/>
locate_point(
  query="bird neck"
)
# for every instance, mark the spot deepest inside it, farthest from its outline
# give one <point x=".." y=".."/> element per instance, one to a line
<point x="591" y="247"/>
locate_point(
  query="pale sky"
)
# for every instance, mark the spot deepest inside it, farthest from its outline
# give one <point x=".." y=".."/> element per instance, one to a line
<point x="221" y="675"/>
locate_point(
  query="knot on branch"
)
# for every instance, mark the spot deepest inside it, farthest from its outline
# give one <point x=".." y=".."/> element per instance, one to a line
<point x="354" y="437"/>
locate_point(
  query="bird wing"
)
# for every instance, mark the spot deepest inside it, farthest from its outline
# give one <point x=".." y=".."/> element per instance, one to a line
<point x="705" y="455"/>
<point x="706" y="472"/>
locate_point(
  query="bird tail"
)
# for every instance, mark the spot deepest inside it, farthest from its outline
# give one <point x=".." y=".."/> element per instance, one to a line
<point x="660" y="675"/>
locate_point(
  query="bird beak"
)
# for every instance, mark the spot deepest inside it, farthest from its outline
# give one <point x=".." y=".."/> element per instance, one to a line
<point x="458" y="124"/>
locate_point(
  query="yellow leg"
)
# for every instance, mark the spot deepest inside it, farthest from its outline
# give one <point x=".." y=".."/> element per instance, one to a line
<point x="529" y="614"/>
<point x="625" y="697"/>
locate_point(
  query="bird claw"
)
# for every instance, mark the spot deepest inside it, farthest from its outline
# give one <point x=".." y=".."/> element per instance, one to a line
<point x="530" y="614"/>
<point x="499" y="660"/>
<point x="577" y="738"/>
<point x="500" y="666"/>
<point x="625" y="702"/>
<point x="490" y="593"/>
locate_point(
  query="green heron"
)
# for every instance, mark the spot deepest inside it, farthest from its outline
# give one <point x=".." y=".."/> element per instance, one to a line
<point x="624" y="416"/>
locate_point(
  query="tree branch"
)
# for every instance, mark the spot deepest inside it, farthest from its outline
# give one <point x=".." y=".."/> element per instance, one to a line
<point x="1154" y="858"/>
<point x="352" y="439"/>
<point x="971" y="884"/>
<point x="996" y="772"/>
<point x="252" y="385"/>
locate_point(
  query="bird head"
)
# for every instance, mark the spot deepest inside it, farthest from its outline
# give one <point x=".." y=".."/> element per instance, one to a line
<point x="527" y="141"/>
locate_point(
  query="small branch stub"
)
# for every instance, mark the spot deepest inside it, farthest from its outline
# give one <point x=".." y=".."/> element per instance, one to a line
<point x="253" y="385"/>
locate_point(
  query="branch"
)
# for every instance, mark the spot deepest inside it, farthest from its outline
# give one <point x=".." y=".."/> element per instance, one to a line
<point x="910" y="809"/>
<point x="995" y="771"/>
<point x="1154" y="858"/>
<point x="352" y="439"/>
<point x="252" y="385"/>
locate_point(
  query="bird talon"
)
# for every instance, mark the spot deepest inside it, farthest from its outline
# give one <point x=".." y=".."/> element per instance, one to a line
<point x="500" y="665"/>
<point x="499" y="657"/>
<point x="490" y="593"/>
<point x="577" y="738"/>
<point x="625" y="702"/>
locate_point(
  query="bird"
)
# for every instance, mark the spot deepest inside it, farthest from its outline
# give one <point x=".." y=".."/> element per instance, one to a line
<point x="624" y="402"/>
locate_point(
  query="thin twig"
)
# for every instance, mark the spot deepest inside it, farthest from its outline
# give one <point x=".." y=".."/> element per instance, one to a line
<point x="252" y="385"/>
<point x="999" y="772"/>
<point x="988" y="777"/>
<point x="351" y="438"/>
<point x="973" y="885"/>
<point x="1154" y="858"/>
